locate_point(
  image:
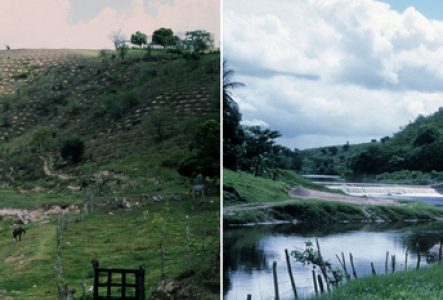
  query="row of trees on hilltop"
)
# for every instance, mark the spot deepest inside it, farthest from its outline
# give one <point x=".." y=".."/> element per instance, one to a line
<point x="196" y="40"/>
<point x="251" y="148"/>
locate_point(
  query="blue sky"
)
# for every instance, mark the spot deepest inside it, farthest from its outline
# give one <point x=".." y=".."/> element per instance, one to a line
<point x="432" y="9"/>
<point x="336" y="70"/>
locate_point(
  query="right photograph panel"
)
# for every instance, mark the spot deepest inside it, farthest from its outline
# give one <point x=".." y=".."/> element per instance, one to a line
<point x="332" y="149"/>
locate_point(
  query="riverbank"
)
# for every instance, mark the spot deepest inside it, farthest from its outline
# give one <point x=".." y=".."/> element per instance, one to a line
<point x="319" y="212"/>
<point x="420" y="284"/>
<point x="293" y="199"/>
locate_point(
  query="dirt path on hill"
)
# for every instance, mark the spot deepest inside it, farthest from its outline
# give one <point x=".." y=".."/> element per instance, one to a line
<point x="48" y="172"/>
<point x="304" y="193"/>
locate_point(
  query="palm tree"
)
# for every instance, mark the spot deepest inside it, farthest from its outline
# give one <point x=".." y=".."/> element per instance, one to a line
<point x="232" y="133"/>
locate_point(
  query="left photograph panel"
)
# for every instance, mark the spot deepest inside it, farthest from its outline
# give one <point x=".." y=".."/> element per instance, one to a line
<point x="109" y="149"/>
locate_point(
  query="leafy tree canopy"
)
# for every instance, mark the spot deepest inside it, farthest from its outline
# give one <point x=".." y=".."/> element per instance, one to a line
<point x="199" y="40"/>
<point x="139" y="38"/>
<point x="164" y="37"/>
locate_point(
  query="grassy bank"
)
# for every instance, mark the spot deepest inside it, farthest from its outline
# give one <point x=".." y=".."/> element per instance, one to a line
<point x="254" y="189"/>
<point x="316" y="211"/>
<point x="413" y="285"/>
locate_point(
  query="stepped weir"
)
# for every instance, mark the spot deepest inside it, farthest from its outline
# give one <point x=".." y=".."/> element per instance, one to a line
<point x="385" y="190"/>
<point x="377" y="189"/>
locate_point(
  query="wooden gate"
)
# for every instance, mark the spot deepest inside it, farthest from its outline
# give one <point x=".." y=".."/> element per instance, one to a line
<point x="137" y="287"/>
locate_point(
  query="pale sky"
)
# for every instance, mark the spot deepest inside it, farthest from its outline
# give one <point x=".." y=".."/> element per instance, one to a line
<point x="324" y="72"/>
<point x="88" y="23"/>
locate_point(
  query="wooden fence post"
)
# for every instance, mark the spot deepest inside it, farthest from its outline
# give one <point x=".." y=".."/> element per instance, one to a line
<point x="343" y="265"/>
<point x="351" y="258"/>
<point x="108" y="284"/>
<point x="315" y="282"/>
<point x="288" y="263"/>
<point x="123" y="285"/>
<point x="393" y="263"/>
<point x="162" y="255"/>
<point x="440" y="251"/>
<point x="142" y="283"/>
<point x="274" y="272"/>
<point x="322" y="267"/>
<point x="406" y="259"/>
<point x="373" y="269"/>
<point x="418" y="260"/>
<point x="386" y="262"/>
<point x="95" y="265"/>
<point x="348" y="277"/>
<point x="187" y="248"/>
<point x="320" y="283"/>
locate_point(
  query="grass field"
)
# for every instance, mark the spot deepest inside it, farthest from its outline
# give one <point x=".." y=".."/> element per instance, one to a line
<point x="118" y="239"/>
<point x="259" y="189"/>
<point x="424" y="284"/>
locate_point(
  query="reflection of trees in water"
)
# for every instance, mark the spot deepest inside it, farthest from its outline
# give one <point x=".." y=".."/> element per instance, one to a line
<point x="421" y="242"/>
<point x="246" y="259"/>
<point x="310" y="230"/>
<point x="241" y="251"/>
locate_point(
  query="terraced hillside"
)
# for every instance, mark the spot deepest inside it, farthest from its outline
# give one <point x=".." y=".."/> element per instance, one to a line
<point x="139" y="119"/>
<point x="104" y="100"/>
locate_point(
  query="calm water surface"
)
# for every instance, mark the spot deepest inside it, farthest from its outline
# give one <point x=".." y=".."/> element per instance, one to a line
<point x="250" y="251"/>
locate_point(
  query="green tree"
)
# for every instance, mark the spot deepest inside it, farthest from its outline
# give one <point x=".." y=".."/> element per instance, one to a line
<point x="259" y="143"/>
<point x="72" y="149"/>
<point x="206" y="148"/>
<point x="333" y="150"/>
<point x="385" y="139"/>
<point x="139" y="38"/>
<point x="199" y="40"/>
<point x="164" y="37"/>
<point x="425" y="135"/>
<point x="44" y="139"/>
<point x="232" y="132"/>
<point x="159" y="123"/>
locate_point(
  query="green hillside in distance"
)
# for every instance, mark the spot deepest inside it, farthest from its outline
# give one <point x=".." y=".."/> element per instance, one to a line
<point x="107" y="142"/>
<point x="411" y="155"/>
<point x="330" y="160"/>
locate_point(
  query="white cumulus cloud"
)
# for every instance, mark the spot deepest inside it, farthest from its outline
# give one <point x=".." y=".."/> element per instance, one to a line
<point x="331" y="71"/>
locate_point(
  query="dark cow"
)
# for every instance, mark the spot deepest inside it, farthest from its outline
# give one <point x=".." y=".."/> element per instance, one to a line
<point x="17" y="232"/>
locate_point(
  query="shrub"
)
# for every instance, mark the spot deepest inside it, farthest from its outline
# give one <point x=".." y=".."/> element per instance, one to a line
<point x="120" y="103"/>
<point x="73" y="107"/>
<point x="159" y="123"/>
<point x="72" y="149"/>
<point x="44" y="139"/>
<point x="5" y="119"/>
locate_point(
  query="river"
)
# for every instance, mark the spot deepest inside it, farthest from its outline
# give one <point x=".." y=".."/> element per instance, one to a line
<point x="250" y="251"/>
